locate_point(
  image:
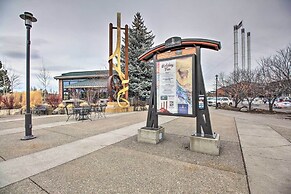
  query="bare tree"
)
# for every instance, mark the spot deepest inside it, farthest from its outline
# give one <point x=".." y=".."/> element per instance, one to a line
<point x="44" y="78"/>
<point x="272" y="79"/>
<point x="222" y="79"/>
<point x="275" y="75"/>
<point x="14" y="79"/>
<point x="272" y="89"/>
<point x="233" y="86"/>
<point x="282" y="67"/>
<point x="251" y="86"/>
<point x="240" y="85"/>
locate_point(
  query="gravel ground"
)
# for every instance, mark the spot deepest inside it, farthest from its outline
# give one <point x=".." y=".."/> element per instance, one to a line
<point x="116" y="169"/>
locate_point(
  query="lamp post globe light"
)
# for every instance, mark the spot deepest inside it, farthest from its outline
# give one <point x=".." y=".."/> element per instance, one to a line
<point x="28" y="19"/>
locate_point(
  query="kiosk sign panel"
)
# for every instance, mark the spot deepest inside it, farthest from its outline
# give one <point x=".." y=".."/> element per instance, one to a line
<point x="174" y="86"/>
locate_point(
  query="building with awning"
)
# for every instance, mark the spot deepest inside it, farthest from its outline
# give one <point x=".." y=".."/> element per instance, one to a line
<point x="85" y="85"/>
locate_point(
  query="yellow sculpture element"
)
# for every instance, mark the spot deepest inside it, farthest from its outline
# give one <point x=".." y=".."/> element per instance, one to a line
<point x="117" y="67"/>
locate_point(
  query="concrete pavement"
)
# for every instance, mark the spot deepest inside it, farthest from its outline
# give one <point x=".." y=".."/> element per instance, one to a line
<point x="13" y="170"/>
<point x="103" y="156"/>
<point x="267" y="156"/>
<point x="266" y="147"/>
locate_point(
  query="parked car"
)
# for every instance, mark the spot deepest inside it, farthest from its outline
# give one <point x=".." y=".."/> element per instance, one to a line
<point x="284" y="104"/>
<point x="257" y="101"/>
<point x="220" y="101"/>
<point x="211" y="101"/>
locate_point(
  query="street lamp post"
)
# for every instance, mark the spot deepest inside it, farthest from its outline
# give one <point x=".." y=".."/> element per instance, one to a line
<point x="216" y="77"/>
<point x="28" y="19"/>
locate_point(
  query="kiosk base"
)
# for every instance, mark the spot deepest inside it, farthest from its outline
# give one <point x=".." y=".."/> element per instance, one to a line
<point x="205" y="145"/>
<point x="151" y="135"/>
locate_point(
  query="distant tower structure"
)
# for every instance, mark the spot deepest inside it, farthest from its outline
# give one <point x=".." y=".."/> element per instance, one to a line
<point x="235" y="48"/>
<point x="249" y="51"/>
<point x="235" y="32"/>
<point x="243" y="48"/>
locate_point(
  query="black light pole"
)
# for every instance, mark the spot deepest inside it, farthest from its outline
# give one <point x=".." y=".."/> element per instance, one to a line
<point x="216" y="76"/>
<point x="28" y="18"/>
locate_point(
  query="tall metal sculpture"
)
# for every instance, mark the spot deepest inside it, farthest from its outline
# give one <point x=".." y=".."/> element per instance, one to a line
<point x="118" y="83"/>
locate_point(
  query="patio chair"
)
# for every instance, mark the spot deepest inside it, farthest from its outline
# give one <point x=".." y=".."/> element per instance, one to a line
<point x="70" y="112"/>
<point x="101" y="110"/>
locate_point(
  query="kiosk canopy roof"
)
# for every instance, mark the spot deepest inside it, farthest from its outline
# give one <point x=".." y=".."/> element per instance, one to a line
<point x="188" y="42"/>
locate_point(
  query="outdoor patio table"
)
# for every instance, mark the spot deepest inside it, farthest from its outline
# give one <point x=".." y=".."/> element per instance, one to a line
<point x="82" y="113"/>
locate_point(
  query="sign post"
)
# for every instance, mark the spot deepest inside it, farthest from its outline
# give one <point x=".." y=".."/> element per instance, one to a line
<point x="178" y="87"/>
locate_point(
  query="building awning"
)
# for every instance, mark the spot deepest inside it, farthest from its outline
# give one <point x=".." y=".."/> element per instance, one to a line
<point x="89" y="83"/>
<point x="83" y="74"/>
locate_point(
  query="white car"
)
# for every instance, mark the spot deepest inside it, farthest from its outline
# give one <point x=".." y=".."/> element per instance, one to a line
<point x="284" y="104"/>
<point x="210" y="101"/>
<point x="220" y="101"/>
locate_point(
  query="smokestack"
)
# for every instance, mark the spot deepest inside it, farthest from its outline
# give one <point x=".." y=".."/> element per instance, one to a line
<point x="235" y="29"/>
<point x="249" y="50"/>
<point x="243" y="49"/>
<point x="235" y="32"/>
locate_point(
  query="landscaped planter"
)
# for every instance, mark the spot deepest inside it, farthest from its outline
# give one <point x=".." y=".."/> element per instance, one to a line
<point x="10" y="111"/>
<point x="15" y="111"/>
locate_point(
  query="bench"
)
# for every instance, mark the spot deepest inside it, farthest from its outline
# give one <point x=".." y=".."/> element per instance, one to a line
<point x="40" y="110"/>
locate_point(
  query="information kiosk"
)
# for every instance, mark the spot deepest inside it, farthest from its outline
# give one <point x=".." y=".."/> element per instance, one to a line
<point x="178" y="90"/>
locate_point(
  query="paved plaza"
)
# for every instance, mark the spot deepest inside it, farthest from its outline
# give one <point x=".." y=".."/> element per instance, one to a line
<point x="103" y="155"/>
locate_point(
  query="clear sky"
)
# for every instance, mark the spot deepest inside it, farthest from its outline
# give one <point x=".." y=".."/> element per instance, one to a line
<point x="72" y="35"/>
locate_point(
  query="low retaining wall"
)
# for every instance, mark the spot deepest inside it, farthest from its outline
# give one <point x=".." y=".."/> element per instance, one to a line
<point x="10" y="111"/>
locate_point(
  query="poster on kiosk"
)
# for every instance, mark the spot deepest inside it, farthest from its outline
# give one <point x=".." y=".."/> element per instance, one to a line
<point x="174" y="86"/>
